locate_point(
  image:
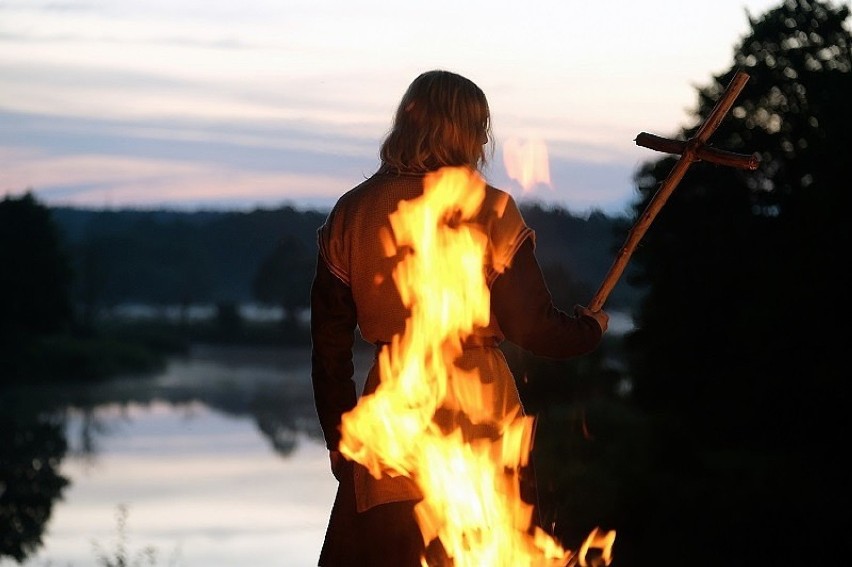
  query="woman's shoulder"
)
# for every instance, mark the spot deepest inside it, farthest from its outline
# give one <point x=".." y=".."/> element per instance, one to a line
<point x="377" y="195"/>
<point x="382" y="181"/>
<point x="500" y="202"/>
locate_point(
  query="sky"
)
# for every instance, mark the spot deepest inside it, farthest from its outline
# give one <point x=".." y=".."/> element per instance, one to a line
<point x="226" y="105"/>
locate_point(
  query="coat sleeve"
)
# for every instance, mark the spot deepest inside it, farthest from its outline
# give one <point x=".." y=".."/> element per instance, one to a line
<point x="523" y="307"/>
<point x="333" y="323"/>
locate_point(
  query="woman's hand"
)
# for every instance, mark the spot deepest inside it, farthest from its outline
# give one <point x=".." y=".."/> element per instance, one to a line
<point x="600" y="316"/>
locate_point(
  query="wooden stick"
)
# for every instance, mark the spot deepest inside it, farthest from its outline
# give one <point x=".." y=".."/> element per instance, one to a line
<point x="703" y="153"/>
<point x="690" y="151"/>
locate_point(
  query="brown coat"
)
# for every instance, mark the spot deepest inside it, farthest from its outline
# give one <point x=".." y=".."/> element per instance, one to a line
<point x="353" y="289"/>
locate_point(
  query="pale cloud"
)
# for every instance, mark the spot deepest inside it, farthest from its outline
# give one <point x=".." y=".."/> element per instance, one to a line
<point x="296" y="96"/>
<point x="195" y="165"/>
<point x="104" y="181"/>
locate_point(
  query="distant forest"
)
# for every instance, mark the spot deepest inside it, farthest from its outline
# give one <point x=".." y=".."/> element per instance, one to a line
<point x="267" y="256"/>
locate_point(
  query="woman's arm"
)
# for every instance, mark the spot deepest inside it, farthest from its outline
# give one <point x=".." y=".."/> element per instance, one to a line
<point x="333" y="323"/>
<point x="523" y="306"/>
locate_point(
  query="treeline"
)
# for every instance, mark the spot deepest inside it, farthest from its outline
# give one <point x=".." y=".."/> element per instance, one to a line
<point x="67" y="270"/>
<point x="268" y="256"/>
<point x="185" y="258"/>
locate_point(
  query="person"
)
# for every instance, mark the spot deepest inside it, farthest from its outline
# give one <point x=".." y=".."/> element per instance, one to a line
<point x="442" y="120"/>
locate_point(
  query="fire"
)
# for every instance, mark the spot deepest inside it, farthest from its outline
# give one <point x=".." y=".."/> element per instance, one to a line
<point x="471" y="490"/>
<point x="527" y="162"/>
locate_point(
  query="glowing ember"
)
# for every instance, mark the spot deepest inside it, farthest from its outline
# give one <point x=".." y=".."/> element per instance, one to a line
<point x="471" y="487"/>
<point x="527" y="162"/>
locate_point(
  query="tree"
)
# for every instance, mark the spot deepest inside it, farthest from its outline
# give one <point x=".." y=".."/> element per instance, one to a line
<point x="31" y="452"/>
<point x="35" y="276"/>
<point x="737" y="349"/>
<point x="284" y="278"/>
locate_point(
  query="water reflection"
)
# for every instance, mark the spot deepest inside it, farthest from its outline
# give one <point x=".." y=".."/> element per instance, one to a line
<point x="271" y="385"/>
<point x="30" y="454"/>
<point x="195" y="455"/>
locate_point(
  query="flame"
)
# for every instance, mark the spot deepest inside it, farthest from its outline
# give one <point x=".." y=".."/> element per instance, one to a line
<point x="527" y="162"/>
<point x="471" y="489"/>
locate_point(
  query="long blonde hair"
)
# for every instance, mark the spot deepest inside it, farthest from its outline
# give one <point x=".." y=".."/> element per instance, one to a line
<point x="442" y="120"/>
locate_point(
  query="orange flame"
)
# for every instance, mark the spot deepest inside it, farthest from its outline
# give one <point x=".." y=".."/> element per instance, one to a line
<point x="471" y="488"/>
<point x="527" y="162"/>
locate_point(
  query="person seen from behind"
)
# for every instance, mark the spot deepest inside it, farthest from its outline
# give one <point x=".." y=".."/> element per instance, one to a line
<point x="443" y="120"/>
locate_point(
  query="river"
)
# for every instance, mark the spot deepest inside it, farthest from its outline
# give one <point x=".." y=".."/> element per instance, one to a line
<point x="215" y="462"/>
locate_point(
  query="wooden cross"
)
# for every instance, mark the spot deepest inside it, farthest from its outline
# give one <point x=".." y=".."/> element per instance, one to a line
<point x="690" y="151"/>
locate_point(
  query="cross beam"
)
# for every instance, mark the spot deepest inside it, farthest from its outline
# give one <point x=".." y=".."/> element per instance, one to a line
<point x="690" y="151"/>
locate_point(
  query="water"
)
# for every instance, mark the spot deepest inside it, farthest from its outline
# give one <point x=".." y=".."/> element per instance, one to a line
<point x="201" y="487"/>
<point x="217" y="461"/>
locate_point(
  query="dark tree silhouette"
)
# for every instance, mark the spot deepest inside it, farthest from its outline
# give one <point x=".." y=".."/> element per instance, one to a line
<point x="30" y="455"/>
<point x="34" y="279"/>
<point x="737" y="350"/>
<point x="35" y="275"/>
<point x="284" y="278"/>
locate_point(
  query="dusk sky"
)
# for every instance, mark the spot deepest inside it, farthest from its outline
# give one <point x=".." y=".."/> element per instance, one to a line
<point x="214" y="104"/>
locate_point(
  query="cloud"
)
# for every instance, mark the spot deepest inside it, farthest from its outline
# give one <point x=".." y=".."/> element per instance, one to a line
<point x="215" y="43"/>
<point x="196" y="164"/>
<point x="97" y="162"/>
<point x="243" y="143"/>
<point x="35" y="6"/>
<point x="236" y="106"/>
<point x="91" y="180"/>
<point x="580" y="185"/>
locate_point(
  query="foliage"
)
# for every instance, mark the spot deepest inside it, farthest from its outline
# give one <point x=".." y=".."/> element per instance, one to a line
<point x="176" y="258"/>
<point x="35" y="280"/>
<point x="731" y="252"/>
<point x="120" y="556"/>
<point x="67" y="358"/>
<point x="576" y="253"/>
<point x="737" y="351"/>
<point x="30" y="482"/>
<point x="284" y="277"/>
<point x="591" y="458"/>
<point x="34" y="272"/>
